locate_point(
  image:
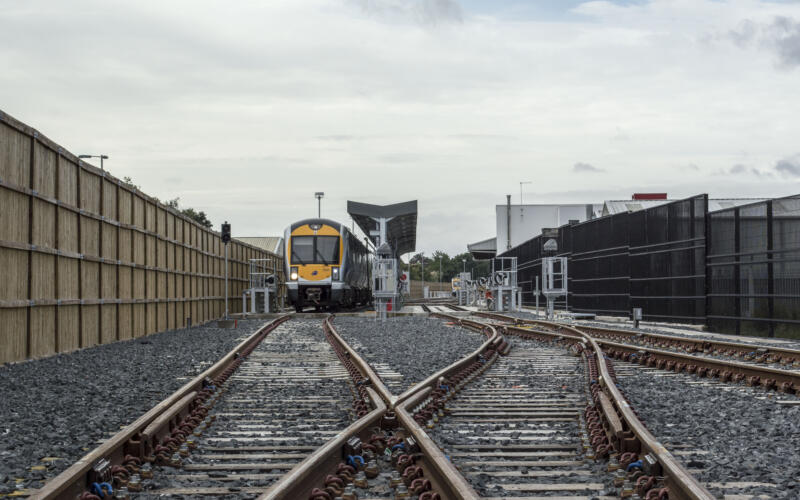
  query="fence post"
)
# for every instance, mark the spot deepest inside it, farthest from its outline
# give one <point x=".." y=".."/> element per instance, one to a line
<point x="770" y="271"/>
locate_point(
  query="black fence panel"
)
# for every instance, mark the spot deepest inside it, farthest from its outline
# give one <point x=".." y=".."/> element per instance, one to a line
<point x="753" y="269"/>
<point x="667" y="261"/>
<point x="599" y="270"/>
<point x="737" y="270"/>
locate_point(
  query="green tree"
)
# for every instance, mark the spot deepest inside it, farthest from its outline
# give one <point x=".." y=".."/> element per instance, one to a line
<point x="450" y="266"/>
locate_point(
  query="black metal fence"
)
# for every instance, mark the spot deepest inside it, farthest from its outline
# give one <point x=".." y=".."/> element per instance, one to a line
<point x="738" y="269"/>
<point x="753" y="269"/>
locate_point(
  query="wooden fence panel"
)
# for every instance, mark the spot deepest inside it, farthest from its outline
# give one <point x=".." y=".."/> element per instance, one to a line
<point x="88" y="259"/>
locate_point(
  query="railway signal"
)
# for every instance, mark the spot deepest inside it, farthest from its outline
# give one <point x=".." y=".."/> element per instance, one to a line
<point x="226" y="238"/>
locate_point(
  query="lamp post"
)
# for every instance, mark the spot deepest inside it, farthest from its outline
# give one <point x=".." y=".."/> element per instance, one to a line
<point x="102" y="157"/>
<point x="520" y="189"/>
<point x="319" y="195"/>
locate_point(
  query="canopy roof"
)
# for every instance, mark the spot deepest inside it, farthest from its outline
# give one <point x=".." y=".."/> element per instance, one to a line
<point x="401" y="229"/>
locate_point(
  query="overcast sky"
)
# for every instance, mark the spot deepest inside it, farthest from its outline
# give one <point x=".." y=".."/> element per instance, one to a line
<point x="245" y="108"/>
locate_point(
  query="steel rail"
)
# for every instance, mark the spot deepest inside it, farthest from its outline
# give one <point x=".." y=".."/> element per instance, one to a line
<point x="303" y="477"/>
<point x="680" y="482"/>
<point x="439" y="470"/>
<point x="751" y="373"/>
<point x="446" y="480"/>
<point x="735" y="348"/>
<point x="73" y="481"/>
<point x="364" y="367"/>
<point x="494" y="339"/>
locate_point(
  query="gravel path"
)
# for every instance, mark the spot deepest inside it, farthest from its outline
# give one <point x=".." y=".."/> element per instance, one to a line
<point x="58" y="406"/>
<point x="414" y="347"/>
<point x="724" y="432"/>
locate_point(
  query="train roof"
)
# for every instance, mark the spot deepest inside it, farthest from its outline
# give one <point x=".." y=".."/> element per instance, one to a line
<point x="327" y="222"/>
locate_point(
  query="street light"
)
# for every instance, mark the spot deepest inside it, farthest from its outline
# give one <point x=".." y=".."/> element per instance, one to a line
<point x="319" y="195"/>
<point x="465" y="264"/>
<point x="102" y="157"/>
<point x="520" y="190"/>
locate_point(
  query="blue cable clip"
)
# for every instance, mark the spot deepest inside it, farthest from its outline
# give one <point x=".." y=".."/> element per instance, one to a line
<point x="634" y="465"/>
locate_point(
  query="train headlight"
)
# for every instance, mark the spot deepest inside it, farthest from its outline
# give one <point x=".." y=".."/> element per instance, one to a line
<point x="335" y="273"/>
<point x="293" y="274"/>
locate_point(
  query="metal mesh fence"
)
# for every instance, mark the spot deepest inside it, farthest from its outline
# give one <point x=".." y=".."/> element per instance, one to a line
<point x="753" y="266"/>
<point x="738" y="269"/>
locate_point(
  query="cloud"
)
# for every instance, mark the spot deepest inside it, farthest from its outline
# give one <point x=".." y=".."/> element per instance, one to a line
<point x="425" y="12"/>
<point x="784" y="33"/>
<point x="780" y="35"/>
<point x="586" y="168"/>
<point x="789" y="167"/>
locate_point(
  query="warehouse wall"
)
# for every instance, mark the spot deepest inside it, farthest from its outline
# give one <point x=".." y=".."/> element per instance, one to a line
<point x="85" y="259"/>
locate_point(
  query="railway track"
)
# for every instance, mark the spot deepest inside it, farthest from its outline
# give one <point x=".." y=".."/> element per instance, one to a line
<point x="769" y="367"/>
<point x="237" y="427"/>
<point x="275" y="410"/>
<point x="262" y="425"/>
<point x="637" y="461"/>
<point x="519" y="429"/>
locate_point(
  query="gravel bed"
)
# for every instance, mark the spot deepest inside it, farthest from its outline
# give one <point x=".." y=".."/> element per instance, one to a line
<point x="527" y="370"/>
<point x="747" y="439"/>
<point x="415" y="347"/>
<point x="62" y="405"/>
<point x="294" y="363"/>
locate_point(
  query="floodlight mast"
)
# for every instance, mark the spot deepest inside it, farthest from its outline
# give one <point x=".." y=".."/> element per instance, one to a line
<point x="319" y="195"/>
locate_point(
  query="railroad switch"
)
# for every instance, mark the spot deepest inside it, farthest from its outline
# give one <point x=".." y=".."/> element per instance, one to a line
<point x="389" y="420"/>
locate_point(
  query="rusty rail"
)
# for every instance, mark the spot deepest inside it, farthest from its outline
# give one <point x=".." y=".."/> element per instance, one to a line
<point x="727" y="370"/>
<point x="494" y="340"/>
<point x="303" y="477"/>
<point x="623" y="428"/>
<point x="136" y="439"/>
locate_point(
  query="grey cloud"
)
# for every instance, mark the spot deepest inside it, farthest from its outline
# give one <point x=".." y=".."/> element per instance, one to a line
<point x="426" y="12"/>
<point x="738" y="169"/>
<point x="789" y="167"/>
<point x="785" y="35"/>
<point x="586" y="168"/>
<point x="781" y="36"/>
<point x="744" y="34"/>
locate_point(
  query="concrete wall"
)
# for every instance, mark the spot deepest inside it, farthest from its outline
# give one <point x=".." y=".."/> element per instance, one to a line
<point x="527" y="221"/>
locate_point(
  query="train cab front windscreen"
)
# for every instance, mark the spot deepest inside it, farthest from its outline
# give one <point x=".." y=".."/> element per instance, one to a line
<point x="315" y="250"/>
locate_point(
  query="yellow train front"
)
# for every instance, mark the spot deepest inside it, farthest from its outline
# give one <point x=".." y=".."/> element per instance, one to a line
<point x="326" y="265"/>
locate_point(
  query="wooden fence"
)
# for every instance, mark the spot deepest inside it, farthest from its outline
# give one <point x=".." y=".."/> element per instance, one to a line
<point x="86" y="259"/>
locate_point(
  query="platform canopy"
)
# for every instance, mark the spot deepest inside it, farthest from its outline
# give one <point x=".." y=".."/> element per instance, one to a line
<point x="401" y="225"/>
<point x="484" y="249"/>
